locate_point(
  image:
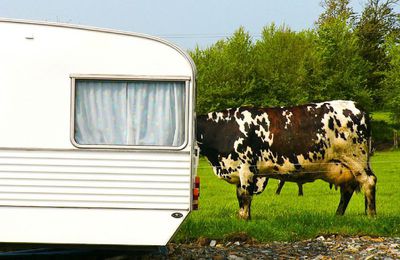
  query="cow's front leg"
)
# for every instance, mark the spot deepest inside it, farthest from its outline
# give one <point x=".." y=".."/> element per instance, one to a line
<point x="345" y="195"/>
<point x="369" y="188"/>
<point x="244" y="198"/>
<point x="244" y="191"/>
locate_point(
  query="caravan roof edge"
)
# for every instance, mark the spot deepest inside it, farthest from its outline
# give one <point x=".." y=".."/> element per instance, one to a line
<point x="106" y="30"/>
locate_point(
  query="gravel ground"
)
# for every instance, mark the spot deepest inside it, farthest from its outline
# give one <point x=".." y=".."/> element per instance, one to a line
<point x="240" y="246"/>
<point x="322" y="247"/>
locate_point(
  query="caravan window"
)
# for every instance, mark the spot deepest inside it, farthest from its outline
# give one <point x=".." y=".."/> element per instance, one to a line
<point x="129" y="113"/>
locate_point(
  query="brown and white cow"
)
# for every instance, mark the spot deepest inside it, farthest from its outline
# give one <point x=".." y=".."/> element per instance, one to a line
<point x="328" y="141"/>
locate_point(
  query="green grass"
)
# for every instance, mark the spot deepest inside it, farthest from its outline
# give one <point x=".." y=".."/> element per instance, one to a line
<point x="382" y="116"/>
<point x="288" y="217"/>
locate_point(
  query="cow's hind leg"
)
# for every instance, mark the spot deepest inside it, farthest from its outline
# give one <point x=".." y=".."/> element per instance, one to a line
<point x="280" y="186"/>
<point x="354" y="175"/>
<point x="345" y="195"/>
<point x="300" y="189"/>
<point x="369" y="188"/>
<point x="244" y="198"/>
<point x="366" y="180"/>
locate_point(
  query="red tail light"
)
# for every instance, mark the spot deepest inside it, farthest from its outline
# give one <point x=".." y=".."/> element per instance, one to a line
<point x="196" y="193"/>
<point x="197" y="183"/>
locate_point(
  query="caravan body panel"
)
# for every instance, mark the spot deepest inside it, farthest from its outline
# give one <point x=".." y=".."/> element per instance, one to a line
<point x="54" y="190"/>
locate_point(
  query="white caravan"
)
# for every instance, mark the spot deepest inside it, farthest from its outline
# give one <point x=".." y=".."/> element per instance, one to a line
<point x="97" y="142"/>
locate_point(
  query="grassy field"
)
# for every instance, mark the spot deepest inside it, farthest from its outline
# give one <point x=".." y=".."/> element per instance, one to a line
<point x="382" y="116"/>
<point x="288" y="217"/>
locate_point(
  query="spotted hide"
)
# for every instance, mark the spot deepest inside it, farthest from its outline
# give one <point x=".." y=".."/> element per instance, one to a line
<point x="328" y="141"/>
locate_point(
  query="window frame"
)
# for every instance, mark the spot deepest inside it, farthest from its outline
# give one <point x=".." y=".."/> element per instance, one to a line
<point x="186" y="80"/>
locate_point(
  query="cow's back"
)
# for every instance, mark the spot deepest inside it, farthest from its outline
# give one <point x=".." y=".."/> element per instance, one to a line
<point x="310" y="140"/>
<point x="286" y="142"/>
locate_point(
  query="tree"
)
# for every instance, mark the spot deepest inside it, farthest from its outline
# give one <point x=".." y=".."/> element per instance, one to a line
<point x="343" y="71"/>
<point x="334" y="10"/>
<point x="378" y="21"/>
<point x="391" y="82"/>
<point x="225" y="72"/>
<point x="284" y="61"/>
<point x="344" y="57"/>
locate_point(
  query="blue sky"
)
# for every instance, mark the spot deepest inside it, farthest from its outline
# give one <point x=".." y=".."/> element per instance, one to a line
<point x="185" y="22"/>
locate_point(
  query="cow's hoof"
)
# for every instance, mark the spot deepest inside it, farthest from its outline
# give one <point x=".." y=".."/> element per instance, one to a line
<point x="244" y="218"/>
<point x="244" y="215"/>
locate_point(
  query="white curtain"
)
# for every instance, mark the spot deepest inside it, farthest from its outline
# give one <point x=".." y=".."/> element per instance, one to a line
<point x="130" y="113"/>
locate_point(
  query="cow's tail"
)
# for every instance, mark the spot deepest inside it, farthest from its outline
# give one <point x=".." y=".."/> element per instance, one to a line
<point x="367" y="119"/>
<point x="369" y="134"/>
<point x="370" y="148"/>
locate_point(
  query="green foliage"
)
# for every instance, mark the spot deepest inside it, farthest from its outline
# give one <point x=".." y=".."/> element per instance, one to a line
<point x="378" y="21"/>
<point x="392" y="80"/>
<point x="335" y="10"/>
<point x="276" y="70"/>
<point x="346" y="56"/>
<point x="284" y="64"/>
<point x="288" y="217"/>
<point x="382" y="116"/>
<point x="343" y="73"/>
<point x="382" y="134"/>
<point x="225" y="72"/>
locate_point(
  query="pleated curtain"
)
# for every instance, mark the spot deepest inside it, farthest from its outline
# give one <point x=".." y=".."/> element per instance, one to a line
<point x="133" y="113"/>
